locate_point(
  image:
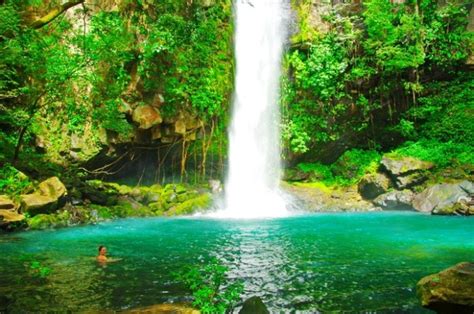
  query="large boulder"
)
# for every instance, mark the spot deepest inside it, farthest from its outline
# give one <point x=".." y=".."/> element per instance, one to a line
<point x="372" y="185"/>
<point x="52" y="187"/>
<point x="395" y="200"/>
<point x="440" y="198"/>
<point x="7" y="203"/>
<point x="36" y="203"/>
<point x="146" y="117"/>
<point x="406" y="171"/>
<point x="449" y="291"/>
<point x="48" y="198"/>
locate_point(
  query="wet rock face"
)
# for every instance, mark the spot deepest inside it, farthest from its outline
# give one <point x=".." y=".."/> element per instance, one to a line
<point x="449" y="291"/>
<point x="444" y="199"/>
<point x="406" y="171"/>
<point x="372" y="185"/>
<point x="395" y="200"/>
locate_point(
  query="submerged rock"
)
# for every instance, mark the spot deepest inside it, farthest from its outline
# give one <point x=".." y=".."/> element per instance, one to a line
<point x="254" y="305"/>
<point x="372" y="185"/>
<point x="406" y="171"/>
<point x="443" y="198"/>
<point x="449" y="291"/>
<point x="396" y="200"/>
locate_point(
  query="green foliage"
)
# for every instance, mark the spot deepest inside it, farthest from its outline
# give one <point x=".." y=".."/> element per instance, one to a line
<point x="383" y="75"/>
<point x="12" y="181"/>
<point x="447" y="42"/>
<point x="208" y="284"/>
<point x="447" y="111"/>
<point x="347" y="170"/>
<point x="443" y="154"/>
<point x="39" y="270"/>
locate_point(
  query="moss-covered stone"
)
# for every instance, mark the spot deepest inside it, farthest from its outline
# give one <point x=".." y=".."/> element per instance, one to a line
<point x="190" y="206"/>
<point x="128" y="209"/>
<point x="47" y="221"/>
<point x="449" y="291"/>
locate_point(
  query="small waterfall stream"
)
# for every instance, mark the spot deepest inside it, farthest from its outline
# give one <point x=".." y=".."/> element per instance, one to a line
<point x="254" y="152"/>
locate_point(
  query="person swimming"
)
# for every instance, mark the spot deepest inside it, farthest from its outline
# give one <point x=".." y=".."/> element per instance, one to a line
<point x="102" y="257"/>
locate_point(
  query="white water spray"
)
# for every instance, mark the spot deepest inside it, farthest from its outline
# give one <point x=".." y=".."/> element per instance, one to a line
<point x="251" y="190"/>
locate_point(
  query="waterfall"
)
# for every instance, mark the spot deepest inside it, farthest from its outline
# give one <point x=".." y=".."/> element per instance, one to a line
<point x="251" y="189"/>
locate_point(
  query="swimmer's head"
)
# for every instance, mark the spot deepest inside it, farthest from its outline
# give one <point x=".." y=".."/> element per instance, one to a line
<point x="102" y="250"/>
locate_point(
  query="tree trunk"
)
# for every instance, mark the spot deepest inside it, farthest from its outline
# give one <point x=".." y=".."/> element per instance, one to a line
<point x="48" y="18"/>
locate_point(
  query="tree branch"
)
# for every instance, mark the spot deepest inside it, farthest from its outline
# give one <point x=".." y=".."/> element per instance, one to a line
<point x="55" y="13"/>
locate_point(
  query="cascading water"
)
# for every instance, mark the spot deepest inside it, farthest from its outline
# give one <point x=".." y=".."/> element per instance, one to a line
<point x="251" y="190"/>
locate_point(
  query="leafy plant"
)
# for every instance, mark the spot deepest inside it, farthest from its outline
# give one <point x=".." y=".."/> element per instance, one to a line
<point x="12" y="181"/>
<point x="207" y="282"/>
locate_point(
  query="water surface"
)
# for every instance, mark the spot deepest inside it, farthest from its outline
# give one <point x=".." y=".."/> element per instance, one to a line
<point x="323" y="262"/>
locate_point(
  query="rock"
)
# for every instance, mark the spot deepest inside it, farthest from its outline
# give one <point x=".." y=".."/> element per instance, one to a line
<point x="372" y="185"/>
<point x="36" y="203"/>
<point x="156" y="132"/>
<point x="406" y="171"/>
<point x="317" y="197"/>
<point x="6" y="203"/>
<point x="295" y="175"/>
<point x="180" y="127"/>
<point x="163" y="309"/>
<point x="48" y="198"/>
<point x="449" y="291"/>
<point x="254" y="305"/>
<point x="9" y="218"/>
<point x="190" y="136"/>
<point x="467" y="186"/>
<point x="53" y="188"/>
<point x="99" y="192"/>
<point x="215" y="186"/>
<point x="403" y="165"/>
<point x="47" y="221"/>
<point x="146" y="116"/>
<point x="439" y="198"/>
<point x="190" y="206"/>
<point x="397" y="200"/>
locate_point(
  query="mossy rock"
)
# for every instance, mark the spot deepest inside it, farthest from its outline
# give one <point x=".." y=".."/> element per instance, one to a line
<point x="449" y="291"/>
<point x="47" y="221"/>
<point x="128" y="209"/>
<point x="191" y="205"/>
<point x="99" y="192"/>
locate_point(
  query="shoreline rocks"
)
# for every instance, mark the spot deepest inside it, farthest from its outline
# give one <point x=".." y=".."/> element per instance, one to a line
<point x="405" y="172"/>
<point x="449" y="291"/>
